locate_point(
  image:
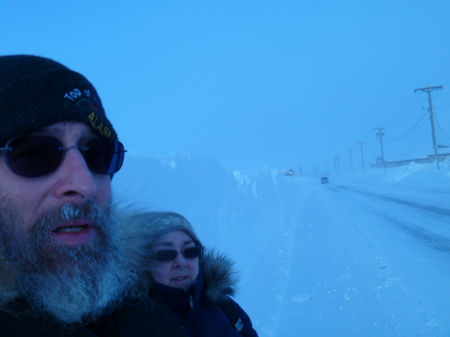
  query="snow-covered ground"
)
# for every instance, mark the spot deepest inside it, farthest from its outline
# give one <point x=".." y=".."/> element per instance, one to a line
<point x="365" y="255"/>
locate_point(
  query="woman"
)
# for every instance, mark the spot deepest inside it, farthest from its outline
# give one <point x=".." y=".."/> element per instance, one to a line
<point x="196" y="285"/>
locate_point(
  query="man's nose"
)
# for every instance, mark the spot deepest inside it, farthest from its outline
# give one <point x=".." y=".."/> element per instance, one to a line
<point x="75" y="182"/>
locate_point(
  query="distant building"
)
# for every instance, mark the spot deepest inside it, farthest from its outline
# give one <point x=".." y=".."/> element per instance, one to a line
<point x="408" y="159"/>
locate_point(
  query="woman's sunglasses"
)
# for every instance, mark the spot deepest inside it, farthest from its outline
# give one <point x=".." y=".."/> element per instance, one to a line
<point x="170" y="254"/>
<point x="37" y="156"/>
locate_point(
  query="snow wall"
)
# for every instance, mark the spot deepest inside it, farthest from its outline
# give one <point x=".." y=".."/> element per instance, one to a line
<point x="239" y="213"/>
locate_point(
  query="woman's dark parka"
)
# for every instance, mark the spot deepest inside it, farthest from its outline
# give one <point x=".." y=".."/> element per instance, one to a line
<point x="198" y="308"/>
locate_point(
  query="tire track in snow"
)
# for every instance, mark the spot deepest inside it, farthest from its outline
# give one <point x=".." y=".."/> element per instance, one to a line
<point x="418" y="232"/>
<point x="421" y="234"/>
<point x="428" y="208"/>
<point x="282" y="273"/>
<point x="401" y="279"/>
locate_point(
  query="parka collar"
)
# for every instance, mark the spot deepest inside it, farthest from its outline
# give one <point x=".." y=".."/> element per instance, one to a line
<point x="178" y="299"/>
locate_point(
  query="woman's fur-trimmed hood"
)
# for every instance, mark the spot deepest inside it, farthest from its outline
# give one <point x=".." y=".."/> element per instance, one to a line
<point x="220" y="277"/>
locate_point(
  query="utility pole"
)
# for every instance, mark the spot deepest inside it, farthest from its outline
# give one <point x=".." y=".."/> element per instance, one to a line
<point x="362" y="156"/>
<point x="351" y="159"/>
<point x="428" y="90"/>
<point x="381" y="134"/>
<point x="337" y="167"/>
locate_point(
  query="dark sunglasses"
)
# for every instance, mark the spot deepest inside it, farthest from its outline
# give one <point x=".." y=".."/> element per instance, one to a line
<point x="37" y="156"/>
<point x="170" y="254"/>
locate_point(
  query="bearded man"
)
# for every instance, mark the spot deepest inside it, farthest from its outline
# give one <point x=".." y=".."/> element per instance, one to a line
<point x="63" y="270"/>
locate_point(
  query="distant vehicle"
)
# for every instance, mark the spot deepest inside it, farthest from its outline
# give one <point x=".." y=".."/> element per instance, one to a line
<point x="324" y="180"/>
<point x="289" y="172"/>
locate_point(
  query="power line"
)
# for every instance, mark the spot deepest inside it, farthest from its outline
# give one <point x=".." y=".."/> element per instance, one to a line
<point x="442" y="106"/>
<point x="440" y="127"/>
<point x="403" y="106"/>
<point x="410" y="130"/>
<point x="410" y="106"/>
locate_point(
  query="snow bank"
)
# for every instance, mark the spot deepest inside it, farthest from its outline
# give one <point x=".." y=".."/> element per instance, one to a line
<point x="229" y="210"/>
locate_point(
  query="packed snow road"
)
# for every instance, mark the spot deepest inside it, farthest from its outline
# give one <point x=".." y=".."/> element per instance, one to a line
<point x="360" y="261"/>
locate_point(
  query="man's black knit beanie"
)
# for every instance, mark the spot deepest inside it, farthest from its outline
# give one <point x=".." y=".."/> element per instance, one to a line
<point x="36" y="92"/>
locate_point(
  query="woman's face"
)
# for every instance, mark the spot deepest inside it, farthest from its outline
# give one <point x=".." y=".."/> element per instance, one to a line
<point x="178" y="273"/>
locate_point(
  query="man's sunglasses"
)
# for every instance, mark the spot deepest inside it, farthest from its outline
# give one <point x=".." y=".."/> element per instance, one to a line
<point x="36" y="156"/>
<point x="170" y="254"/>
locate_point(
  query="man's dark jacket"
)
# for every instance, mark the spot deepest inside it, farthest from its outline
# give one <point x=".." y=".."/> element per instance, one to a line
<point x="148" y="317"/>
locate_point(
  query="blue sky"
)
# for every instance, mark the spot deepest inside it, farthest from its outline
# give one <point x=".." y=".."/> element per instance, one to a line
<point x="252" y="83"/>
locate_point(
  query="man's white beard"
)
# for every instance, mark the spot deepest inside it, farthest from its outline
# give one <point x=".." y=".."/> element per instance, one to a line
<point x="70" y="283"/>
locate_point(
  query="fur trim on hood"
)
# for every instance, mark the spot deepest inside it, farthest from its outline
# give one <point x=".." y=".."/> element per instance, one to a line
<point x="220" y="277"/>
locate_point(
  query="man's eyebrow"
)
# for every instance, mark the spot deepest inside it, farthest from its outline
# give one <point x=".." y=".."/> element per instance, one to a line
<point x="50" y="131"/>
<point x="58" y="131"/>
